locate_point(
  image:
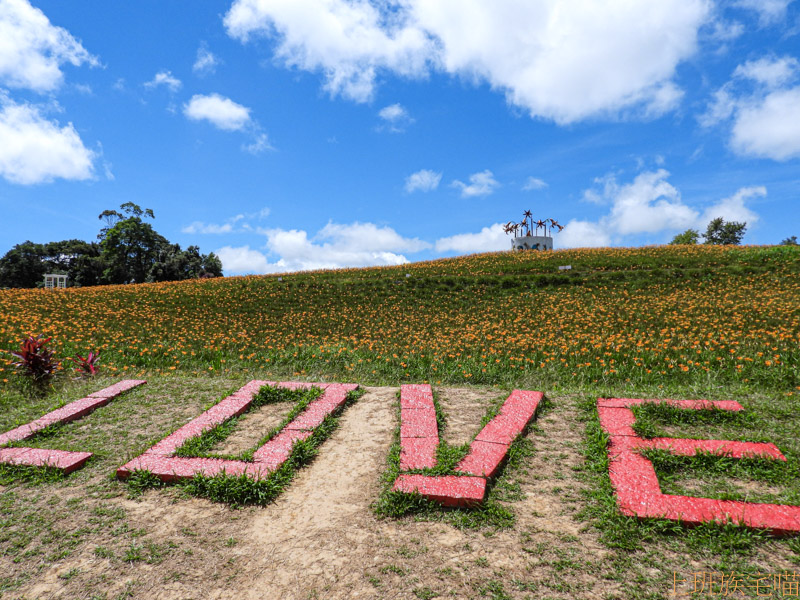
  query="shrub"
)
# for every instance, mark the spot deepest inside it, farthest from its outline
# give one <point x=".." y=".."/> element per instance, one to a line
<point x="87" y="365"/>
<point x="35" y="359"/>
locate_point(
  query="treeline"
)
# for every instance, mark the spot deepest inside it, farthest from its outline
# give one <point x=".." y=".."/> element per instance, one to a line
<point x="129" y="250"/>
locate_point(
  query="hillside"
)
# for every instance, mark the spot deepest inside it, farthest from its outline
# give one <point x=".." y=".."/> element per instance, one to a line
<point x="652" y="316"/>
<point x="661" y="322"/>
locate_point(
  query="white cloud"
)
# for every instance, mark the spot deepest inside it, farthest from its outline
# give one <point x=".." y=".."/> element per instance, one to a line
<point x="396" y="117"/>
<point x="647" y="205"/>
<point x="32" y="50"/>
<point x="733" y="208"/>
<point x="37" y="150"/>
<point x="721" y="107"/>
<point x="769" y="11"/>
<point x="727" y="31"/>
<point x="242" y="260"/>
<point x="561" y="61"/>
<point x="424" y="181"/>
<point x="533" y="183"/>
<point x="766" y="117"/>
<point x="206" y="62"/>
<point x="583" y="234"/>
<point x="200" y="227"/>
<point x="335" y="246"/>
<point x="166" y="79"/>
<point x="488" y="239"/>
<point x="237" y="224"/>
<point x="480" y="184"/>
<point x="344" y="39"/>
<point x="223" y="112"/>
<point x="393" y="112"/>
<point x="769" y="128"/>
<point x="770" y="71"/>
<point x="651" y="205"/>
<point x="258" y="145"/>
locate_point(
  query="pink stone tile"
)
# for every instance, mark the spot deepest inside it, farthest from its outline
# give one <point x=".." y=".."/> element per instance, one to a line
<point x="706" y="404"/>
<point x="694" y="511"/>
<point x="118" y="388"/>
<point x="448" y="490"/>
<point x="298" y="385"/>
<point x="630" y="471"/>
<point x="75" y="410"/>
<point x="626" y="443"/>
<point x="483" y="460"/>
<point x="173" y="469"/>
<point x="521" y="406"/>
<point x="9" y="456"/>
<point x="500" y="430"/>
<point x="281" y="444"/>
<point x="779" y="519"/>
<point x="416" y="396"/>
<point x="310" y="418"/>
<point x="689" y="447"/>
<point x="64" y="461"/>
<point x="418" y="453"/>
<point x="617" y="421"/>
<point x="40" y="457"/>
<point x="728" y="405"/>
<point x="418" y="423"/>
<point x="19" y="433"/>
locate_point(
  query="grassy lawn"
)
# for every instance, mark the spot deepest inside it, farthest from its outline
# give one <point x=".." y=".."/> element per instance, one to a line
<point x="686" y="322"/>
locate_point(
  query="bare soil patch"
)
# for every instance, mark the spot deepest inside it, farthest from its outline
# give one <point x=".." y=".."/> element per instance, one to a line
<point x="464" y="409"/>
<point x="252" y="426"/>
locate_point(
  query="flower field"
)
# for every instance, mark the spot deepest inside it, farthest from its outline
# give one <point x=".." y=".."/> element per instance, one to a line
<point x="685" y="315"/>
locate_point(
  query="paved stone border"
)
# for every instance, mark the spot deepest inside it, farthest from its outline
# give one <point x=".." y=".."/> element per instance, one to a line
<point x="59" y="459"/>
<point x="636" y="485"/>
<point x="419" y="438"/>
<point x="159" y="459"/>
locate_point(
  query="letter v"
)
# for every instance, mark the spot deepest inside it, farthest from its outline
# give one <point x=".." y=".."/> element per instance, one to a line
<point x="419" y="438"/>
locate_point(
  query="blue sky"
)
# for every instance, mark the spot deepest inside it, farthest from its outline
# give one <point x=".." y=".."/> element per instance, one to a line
<point x="297" y="134"/>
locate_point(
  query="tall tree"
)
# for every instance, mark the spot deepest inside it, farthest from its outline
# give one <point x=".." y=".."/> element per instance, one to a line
<point x="720" y="233"/>
<point x="129" y="245"/>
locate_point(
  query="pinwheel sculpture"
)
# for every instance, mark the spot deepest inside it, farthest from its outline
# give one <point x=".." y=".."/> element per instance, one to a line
<point x="530" y="227"/>
<point x="526" y="232"/>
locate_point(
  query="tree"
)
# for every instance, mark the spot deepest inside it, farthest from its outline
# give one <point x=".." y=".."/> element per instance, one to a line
<point x="790" y="241"/>
<point x="690" y="236"/>
<point x="79" y="260"/>
<point x="720" y="233"/>
<point x="22" y="266"/>
<point x="129" y="245"/>
<point x="212" y="266"/>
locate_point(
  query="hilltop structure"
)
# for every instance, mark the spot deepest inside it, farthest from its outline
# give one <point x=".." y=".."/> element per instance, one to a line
<point x="526" y="233"/>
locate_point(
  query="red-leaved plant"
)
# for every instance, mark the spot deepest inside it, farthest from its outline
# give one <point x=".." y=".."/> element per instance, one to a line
<point x="87" y="365"/>
<point x="35" y="359"/>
